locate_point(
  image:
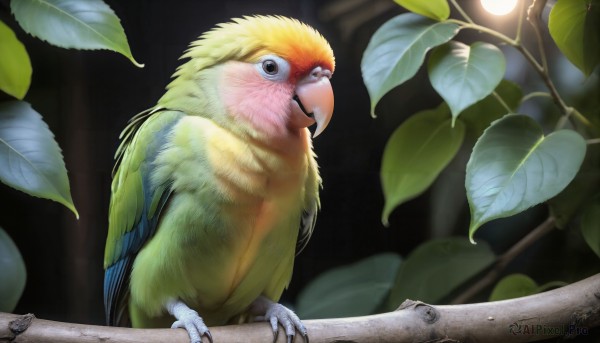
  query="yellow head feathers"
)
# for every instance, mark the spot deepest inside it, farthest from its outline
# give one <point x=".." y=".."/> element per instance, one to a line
<point x="248" y="38"/>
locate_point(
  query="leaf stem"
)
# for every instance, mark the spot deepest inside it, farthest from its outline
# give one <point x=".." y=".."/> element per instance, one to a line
<point x="491" y="32"/>
<point x="593" y="141"/>
<point x="502" y="102"/>
<point x="571" y="111"/>
<point x="461" y="11"/>
<point x="502" y="261"/>
<point x="535" y="95"/>
<point x="520" y="21"/>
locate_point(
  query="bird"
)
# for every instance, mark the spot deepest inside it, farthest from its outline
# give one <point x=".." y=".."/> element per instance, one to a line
<point x="216" y="188"/>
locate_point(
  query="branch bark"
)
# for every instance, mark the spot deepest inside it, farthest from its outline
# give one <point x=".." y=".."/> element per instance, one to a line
<point x="567" y="311"/>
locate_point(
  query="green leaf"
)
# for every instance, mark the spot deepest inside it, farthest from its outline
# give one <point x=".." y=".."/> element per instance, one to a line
<point x="438" y="267"/>
<point x="480" y="115"/>
<point x="513" y="167"/>
<point x="590" y="225"/>
<point x="87" y="25"/>
<point x="463" y="74"/>
<point x="434" y="9"/>
<point x="572" y="199"/>
<point x="397" y="50"/>
<point x="14" y="274"/>
<point x="514" y="286"/>
<point x="352" y="290"/>
<point x="30" y="158"/>
<point x="575" y="27"/>
<point x="416" y="153"/>
<point x="15" y="67"/>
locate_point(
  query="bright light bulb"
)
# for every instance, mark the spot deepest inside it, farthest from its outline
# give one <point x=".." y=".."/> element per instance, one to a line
<point x="499" y="7"/>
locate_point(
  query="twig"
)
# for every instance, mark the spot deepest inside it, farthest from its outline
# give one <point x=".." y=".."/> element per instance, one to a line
<point x="534" y="16"/>
<point x="534" y="13"/>
<point x="532" y="95"/>
<point x="577" y="305"/>
<point x="502" y="261"/>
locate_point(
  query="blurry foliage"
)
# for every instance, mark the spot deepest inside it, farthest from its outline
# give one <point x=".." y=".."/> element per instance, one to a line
<point x="351" y="290"/>
<point x="519" y="285"/>
<point x="12" y="280"/>
<point x="516" y="160"/>
<point x="30" y="158"/>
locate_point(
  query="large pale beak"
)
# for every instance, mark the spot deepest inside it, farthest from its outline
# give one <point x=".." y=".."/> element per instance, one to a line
<point x="313" y="101"/>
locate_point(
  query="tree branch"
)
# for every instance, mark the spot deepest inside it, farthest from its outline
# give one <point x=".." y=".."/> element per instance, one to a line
<point x="502" y="261"/>
<point x="567" y="311"/>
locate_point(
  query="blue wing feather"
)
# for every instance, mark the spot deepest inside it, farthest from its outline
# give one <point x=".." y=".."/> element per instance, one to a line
<point x="131" y="241"/>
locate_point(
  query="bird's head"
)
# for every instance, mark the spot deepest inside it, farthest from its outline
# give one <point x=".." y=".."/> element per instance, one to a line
<point x="271" y="73"/>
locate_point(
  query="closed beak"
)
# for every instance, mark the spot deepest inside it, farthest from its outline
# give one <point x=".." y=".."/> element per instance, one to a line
<point x="314" y="100"/>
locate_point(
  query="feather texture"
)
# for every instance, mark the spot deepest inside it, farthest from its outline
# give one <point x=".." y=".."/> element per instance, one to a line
<point x="207" y="207"/>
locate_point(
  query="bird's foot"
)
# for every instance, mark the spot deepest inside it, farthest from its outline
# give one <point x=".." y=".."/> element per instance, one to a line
<point x="275" y="314"/>
<point x="189" y="320"/>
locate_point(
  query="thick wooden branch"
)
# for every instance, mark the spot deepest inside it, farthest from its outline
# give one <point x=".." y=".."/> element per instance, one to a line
<point x="568" y="311"/>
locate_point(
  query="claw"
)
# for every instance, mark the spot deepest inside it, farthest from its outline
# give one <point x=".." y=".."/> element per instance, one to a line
<point x="189" y="320"/>
<point x="209" y="336"/>
<point x="277" y="314"/>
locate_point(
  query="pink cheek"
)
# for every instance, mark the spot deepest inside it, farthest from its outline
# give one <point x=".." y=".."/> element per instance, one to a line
<point x="248" y="97"/>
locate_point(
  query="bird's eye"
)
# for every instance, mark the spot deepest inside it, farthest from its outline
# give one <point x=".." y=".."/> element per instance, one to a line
<point x="273" y="68"/>
<point x="270" y="67"/>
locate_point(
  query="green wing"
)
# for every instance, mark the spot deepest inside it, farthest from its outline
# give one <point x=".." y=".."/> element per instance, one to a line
<point x="312" y="204"/>
<point x="135" y="205"/>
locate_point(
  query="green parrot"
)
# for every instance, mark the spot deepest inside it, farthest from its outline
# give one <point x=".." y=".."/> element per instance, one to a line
<point x="216" y="188"/>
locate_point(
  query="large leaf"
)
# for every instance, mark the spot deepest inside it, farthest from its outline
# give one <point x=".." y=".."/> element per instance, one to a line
<point x="353" y="290"/>
<point x="573" y="199"/>
<point x="464" y="74"/>
<point x="575" y="27"/>
<point x="434" y="9"/>
<point x="590" y="225"/>
<point x="30" y="159"/>
<point x="12" y="273"/>
<point x="397" y="50"/>
<point x="514" y="166"/>
<point x="514" y="286"/>
<point x="15" y="67"/>
<point x="89" y="25"/>
<point x="480" y="115"/>
<point x="416" y="153"/>
<point x="436" y="268"/>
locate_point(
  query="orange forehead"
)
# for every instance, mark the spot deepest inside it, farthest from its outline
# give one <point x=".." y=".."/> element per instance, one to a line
<point x="301" y="45"/>
<point x="249" y="38"/>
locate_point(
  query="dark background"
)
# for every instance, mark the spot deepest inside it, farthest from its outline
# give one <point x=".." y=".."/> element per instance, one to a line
<point x="86" y="97"/>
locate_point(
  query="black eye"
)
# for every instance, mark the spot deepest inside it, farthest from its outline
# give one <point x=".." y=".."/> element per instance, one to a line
<point x="270" y="67"/>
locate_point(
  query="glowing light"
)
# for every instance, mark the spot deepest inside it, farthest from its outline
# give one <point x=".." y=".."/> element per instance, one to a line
<point x="499" y="7"/>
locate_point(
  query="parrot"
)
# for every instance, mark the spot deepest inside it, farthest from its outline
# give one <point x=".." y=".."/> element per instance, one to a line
<point x="215" y="189"/>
